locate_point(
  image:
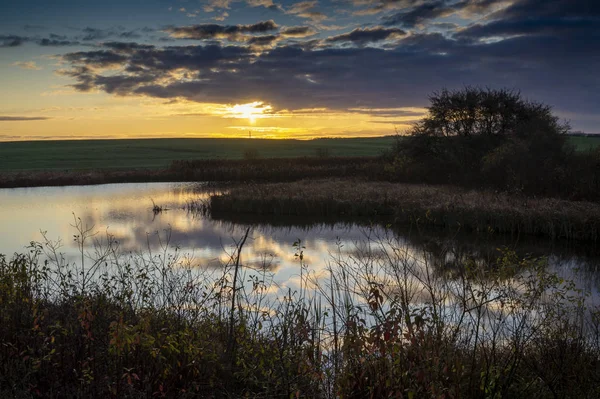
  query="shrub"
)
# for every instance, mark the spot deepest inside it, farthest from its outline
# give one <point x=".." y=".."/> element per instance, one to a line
<point x="494" y="138"/>
<point x="474" y="111"/>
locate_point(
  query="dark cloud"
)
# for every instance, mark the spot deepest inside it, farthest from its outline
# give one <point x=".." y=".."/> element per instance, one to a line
<point x="22" y="118"/>
<point x="417" y="12"/>
<point x="301" y="76"/>
<point x="362" y="37"/>
<point x="214" y="31"/>
<point x="127" y="47"/>
<point x="49" y="42"/>
<point x="531" y="26"/>
<point x="12" y="40"/>
<point x="261" y="41"/>
<point x="129" y="35"/>
<point x="120" y="32"/>
<point x="420" y="14"/>
<point x="99" y="58"/>
<point x="55" y="40"/>
<point x="93" y="34"/>
<point x="535" y="17"/>
<point x="122" y="84"/>
<point x="298" y="31"/>
<point x="544" y="8"/>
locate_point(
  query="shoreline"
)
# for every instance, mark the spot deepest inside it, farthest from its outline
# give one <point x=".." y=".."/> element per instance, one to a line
<point x="349" y="188"/>
<point x="218" y="170"/>
<point x="83" y="178"/>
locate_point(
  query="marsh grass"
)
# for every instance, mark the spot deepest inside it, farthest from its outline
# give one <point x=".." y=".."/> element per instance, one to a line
<point x="200" y="207"/>
<point x="156" y="209"/>
<point x="375" y="322"/>
<point x="446" y="207"/>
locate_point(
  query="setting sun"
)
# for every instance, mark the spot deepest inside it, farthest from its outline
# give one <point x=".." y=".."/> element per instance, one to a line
<point x="251" y="111"/>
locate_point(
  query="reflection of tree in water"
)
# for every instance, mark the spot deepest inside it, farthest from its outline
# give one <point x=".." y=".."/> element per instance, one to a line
<point x="450" y="253"/>
<point x="446" y="251"/>
<point x="449" y="258"/>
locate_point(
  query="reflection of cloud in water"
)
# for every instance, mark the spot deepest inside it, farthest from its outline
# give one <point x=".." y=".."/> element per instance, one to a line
<point x="211" y="240"/>
<point x="124" y="210"/>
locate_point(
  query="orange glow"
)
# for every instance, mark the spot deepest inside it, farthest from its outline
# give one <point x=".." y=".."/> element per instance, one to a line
<point x="251" y="111"/>
<point x="74" y="115"/>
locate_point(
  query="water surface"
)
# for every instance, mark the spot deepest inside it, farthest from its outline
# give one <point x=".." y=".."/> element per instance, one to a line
<point x="124" y="212"/>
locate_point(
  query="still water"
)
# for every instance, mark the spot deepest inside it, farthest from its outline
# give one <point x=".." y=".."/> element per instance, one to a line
<point x="124" y="211"/>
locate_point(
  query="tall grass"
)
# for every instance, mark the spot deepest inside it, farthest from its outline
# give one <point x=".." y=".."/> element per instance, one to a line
<point x="377" y="321"/>
<point x="446" y="207"/>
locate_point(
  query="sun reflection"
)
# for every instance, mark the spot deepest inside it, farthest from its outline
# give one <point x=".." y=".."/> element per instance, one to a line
<point x="251" y="111"/>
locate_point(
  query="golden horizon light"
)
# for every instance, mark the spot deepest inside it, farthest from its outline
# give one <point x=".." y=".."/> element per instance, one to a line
<point x="251" y="111"/>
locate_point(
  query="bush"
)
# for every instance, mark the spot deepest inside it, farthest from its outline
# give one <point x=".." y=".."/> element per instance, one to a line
<point x="494" y="138"/>
<point x="486" y="112"/>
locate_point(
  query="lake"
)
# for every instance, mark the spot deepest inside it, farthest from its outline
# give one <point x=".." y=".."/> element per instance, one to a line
<point x="124" y="213"/>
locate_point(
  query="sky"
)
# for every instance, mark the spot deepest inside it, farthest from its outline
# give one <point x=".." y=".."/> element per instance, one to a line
<point x="72" y="69"/>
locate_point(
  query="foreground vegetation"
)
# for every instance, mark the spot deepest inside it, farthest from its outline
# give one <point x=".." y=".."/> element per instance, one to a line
<point x="375" y="322"/>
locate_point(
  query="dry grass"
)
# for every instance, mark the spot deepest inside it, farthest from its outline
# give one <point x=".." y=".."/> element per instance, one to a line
<point x="423" y="205"/>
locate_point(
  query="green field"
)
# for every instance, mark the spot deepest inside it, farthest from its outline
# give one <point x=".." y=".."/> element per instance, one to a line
<point x="582" y="143"/>
<point x="158" y="153"/>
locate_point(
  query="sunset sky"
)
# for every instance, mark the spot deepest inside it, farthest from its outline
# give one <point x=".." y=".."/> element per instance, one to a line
<point x="318" y="68"/>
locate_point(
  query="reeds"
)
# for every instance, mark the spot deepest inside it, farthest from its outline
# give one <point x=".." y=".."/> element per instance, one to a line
<point x="419" y="205"/>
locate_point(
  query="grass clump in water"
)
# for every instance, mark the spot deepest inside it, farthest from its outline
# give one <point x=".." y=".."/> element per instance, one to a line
<point x="419" y="205"/>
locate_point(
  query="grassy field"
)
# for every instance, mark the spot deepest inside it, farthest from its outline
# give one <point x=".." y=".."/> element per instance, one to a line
<point x="585" y="143"/>
<point x="159" y="153"/>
